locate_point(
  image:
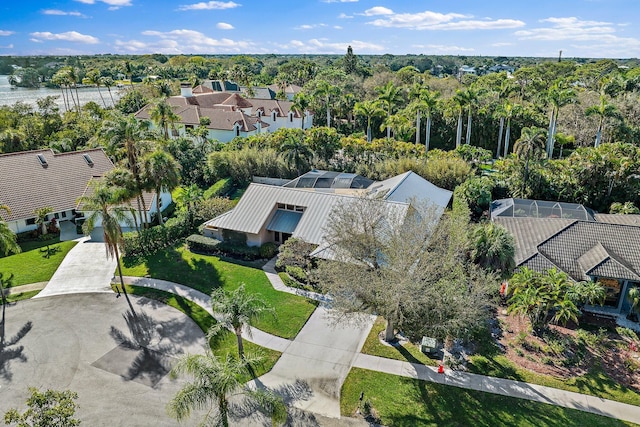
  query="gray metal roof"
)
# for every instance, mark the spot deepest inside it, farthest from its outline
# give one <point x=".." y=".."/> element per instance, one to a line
<point x="284" y="221"/>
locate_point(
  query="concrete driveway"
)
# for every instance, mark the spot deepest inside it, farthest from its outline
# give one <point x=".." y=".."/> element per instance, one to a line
<point x="84" y="343"/>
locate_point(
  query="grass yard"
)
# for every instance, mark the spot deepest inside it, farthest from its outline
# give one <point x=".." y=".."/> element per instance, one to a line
<point x="35" y="265"/>
<point x="401" y="401"/>
<point x="21" y="296"/>
<point x="223" y="344"/>
<point x="407" y="352"/>
<point x="206" y="273"/>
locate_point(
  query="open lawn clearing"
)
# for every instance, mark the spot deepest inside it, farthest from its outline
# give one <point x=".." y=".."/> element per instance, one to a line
<point x="21" y="296"/>
<point x="206" y="273"/>
<point x="36" y="265"/>
<point x="407" y="352"/>
<point x="401" y="401"/>
<point x="223" y="344"/>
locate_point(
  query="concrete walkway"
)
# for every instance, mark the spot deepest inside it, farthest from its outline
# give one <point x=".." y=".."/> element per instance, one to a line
<point x="521" y="390"/>
<point x="85" y="269"/>
<point x="270" y="270"/>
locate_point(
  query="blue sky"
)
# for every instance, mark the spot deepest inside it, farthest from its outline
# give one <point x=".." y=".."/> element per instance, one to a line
<point x="580" y="28"/>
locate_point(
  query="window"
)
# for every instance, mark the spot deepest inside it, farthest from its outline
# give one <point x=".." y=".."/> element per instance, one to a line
<point x="64" y="214"/>
<point x="87" y="158"/>
<point x="281" y="206"/>
<point x="291" y="117"/>
<point x="42" y="160"/>
<point x="612" y="289"/>
<point x="57" y="215"/>
<point x="273" y="116"/>
<point x="286" y="207"/>
<point x="188" y="126"/>
<point x="237" y="130"/>
<point x="31" y="221"/>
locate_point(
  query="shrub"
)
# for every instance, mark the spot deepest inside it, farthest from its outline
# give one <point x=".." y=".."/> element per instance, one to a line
<point x="297" y="273"/>
<point x="207" y="209"/>
<point x="295" y="252"/>
<point x="222" y="187"/>
<point x="200" y="243"/>
<point x="248" y="253"/>
<point x="151" y="240"/>
<point x="268" y="250"/>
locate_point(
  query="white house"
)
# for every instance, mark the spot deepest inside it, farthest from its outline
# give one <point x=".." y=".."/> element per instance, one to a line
<point x="30" y="180"/>
<point x="302" y="207"/>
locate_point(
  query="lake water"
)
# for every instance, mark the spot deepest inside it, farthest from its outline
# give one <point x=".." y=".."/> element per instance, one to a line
<point x="9" y="95"/>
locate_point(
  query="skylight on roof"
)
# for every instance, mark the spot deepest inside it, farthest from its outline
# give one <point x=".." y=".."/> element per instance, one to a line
<point x="87" y="158"/>
<point x="42" y="160"/>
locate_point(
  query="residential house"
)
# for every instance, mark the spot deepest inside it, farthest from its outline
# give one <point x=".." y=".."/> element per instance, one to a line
<point x="229" y="114"/>
<point x="30" y="180"/>
<point x="302" y="207"/>
<point x="578" y="241"/>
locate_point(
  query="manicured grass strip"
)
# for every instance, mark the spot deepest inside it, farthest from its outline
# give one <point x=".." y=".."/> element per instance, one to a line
<point x="37" y="265"/>
<point x="206" y="273"/>
<point x="407" y="352"/>
<point x="222" y="345"/>
<point x="594" y="383"/>
<point x="407" y="402"/>
<point x="21" y="296"/>
<point x="37" y="244"/>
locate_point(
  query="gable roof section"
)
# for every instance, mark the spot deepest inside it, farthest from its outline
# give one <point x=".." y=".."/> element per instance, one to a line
<point x="26" y="185"/>
<point x="410" y="186"/>
<point x="259" y="203"/>
<point x="619" y="219"/>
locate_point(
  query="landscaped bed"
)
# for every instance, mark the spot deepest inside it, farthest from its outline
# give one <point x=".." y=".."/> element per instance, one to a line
<point x="36" y="263"/>
<point x="206" y="273"/>
<point x="400" y="401"/>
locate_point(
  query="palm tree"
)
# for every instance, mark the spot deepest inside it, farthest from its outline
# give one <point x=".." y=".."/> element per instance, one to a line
<point x="427" y="102"/>
<point x="187" y="197"/>
<point x="603" y="111"/>
<point x="215" y="380"/>
<point x="389" y="96"/>
<point x="104" y="204"/>
<point x="400" y="124"/>
<point x="41" y="218"/>
<point x="237" y="309"/>
<point x="296" y="153"/>
<point x="163" y="116"/>
<point x="530" y="145"/>
<point x="564" y="140"/>
<point x="8" y="239"/>
<point x="459" y="103"/>
<point x="58" y="79"/>
<point x="108" y="83"/>
<point x="161" y="171"/>
<point x="93" y="76"/>
<point x="558" y="97"/>
<point x="467" y="98"/>
<point x="301" y="103"/>
<point x="493" y="247"/>
<point x="505" y="112"/>
<point x="325" y="90"/>
<point x="368" y="109"/>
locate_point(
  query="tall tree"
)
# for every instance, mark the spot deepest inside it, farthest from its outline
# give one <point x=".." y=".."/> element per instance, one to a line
<point x="103" y="205"/>
<point x="493" y="247"/>
<point x="301" y="103"/>
<point x="214" y="381"/>
<point x="162" y="115"/>
<point x="529" y="146"/>
<point x="237" y="309"/>
<point x="8" y="239"/>
<point x="108" y="83"/>
<point x="558" y="97"/>
<point x="426" y="102"/>
<point x="41" y="218"/>
<point x="325" y="90"/>
<point x="48" y="408"/>
<point x="389" y="96"/>
<point x="603" y="111"/>
<point x="368" y="109"/>
<point x="296" y="153"/>
<point x="93" y="76"/>
<point x="161" y="170"/>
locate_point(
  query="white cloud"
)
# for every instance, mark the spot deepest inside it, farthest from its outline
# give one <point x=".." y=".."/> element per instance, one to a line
<point x="340" y="1"/>
<point x="9" y="46"/>
<point x="224" y="26"/>
<point x="570" y="28"/>
<point x="183" y="41"/>
<point x="444" y="49"/>
<point x="337" y="27"/>
<point x="344" y="16"/>
<point x="62" y="13"/>
<point x="378" y="10"/>
<point x="115" y="4"/>
<point x="501" y="44"/>
<point x="309" y="26"/>
<point x="429" y="20"/>
<point x="69" y="36"/>
<point x="6" y="33"/>
<point x="211" y="5"/>
<point x="323" y="46"/>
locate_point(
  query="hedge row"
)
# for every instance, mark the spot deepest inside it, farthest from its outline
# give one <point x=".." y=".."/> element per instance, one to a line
<point x="220" y="188"/>
<point x="151" y="240"/>
<point x="209" y="245"/>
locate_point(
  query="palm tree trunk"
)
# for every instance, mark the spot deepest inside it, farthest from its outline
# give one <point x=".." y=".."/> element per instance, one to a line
<point x="240" y="342"/>
<point x="468" y="140"/>
<point x="418" y="128"/>
<point x="64" y="99"/>
<point x="553" y="135"/>
<point x="459" y="130"/>
<point x="328" y="114"/>
<point x="75" y="86"/>
<point x="500" y="137"/>
<point x="507" y="135"/>
<point x="388" y="127"/>
<point x="598" y="135"/>
<point x="160" y="220"/>
<point x="224" y="410"/>
<point x="369" y="131"/>
<point x="551" y="131"/>
<point x="101" y="97"/>
<point x="111" y="96"/>
<point x="427" y="134"/>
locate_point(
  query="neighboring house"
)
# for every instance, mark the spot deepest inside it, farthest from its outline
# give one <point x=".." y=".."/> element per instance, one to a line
<point x="302" y="207"/>
<point x="229" y="114"/>
<point x="30" y="180"/>
<point x="578" y="241"/>
<point x="466" y="70"/>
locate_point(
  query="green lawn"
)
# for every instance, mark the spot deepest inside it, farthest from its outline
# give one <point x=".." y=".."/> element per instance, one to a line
<point x="407" y="352"/>
<point x="206" y="273"/>
<point x="223" y="344"/>
<point x="35" y="265"/>
<point x="407" y="402"/>
<point x="21" y="296"/>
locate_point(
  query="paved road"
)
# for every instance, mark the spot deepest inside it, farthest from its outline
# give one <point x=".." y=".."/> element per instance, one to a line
<point x="85" y="269"/>
<point x="76" y="342"/>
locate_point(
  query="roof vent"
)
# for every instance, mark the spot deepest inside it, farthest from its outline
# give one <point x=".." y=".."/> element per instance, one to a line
<point x="42" y="160"/>
<point x="87" y="158"/>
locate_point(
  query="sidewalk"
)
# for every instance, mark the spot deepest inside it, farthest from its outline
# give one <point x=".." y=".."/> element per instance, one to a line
<point x="518" y="389"/>
<point x="25" y="288"/>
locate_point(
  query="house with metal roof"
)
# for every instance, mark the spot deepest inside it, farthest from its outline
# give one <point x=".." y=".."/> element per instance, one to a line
<point x="302" y="207"/>
<point x="228" y="114"/>
<point x="578" y="241"/>
<point x="30" y="180"/>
